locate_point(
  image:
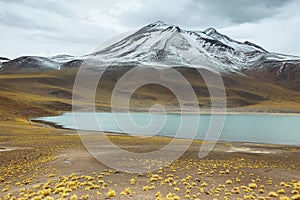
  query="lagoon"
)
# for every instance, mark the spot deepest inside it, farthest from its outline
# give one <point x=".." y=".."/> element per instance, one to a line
<point x="254" y="128"/>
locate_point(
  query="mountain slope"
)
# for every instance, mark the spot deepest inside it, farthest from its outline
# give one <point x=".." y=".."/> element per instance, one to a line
<point x="252" y="75"/>
<point x="162" y="45"/>
<point x="168" y="45"/>
<point x="37" y="63"/>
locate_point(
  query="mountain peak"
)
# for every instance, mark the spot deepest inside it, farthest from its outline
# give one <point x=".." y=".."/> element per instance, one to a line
<point x="4" y="59"/>
<point x="158" y="23"/>
<point x="162" y="26"/>
<point x="162" y="44"/>
<point x="210" y="31"/>
<point x="168" y="44"/>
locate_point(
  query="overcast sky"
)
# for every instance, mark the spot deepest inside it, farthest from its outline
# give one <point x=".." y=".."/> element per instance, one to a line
<point x="77" y="27"/>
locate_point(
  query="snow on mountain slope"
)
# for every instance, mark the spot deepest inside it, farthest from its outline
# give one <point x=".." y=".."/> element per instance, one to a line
<point x="236" y="45"/>
<point x="163" y="45"/>
<point x="64" y="58"/>
<point x="3" y="59"/>
<point x="30" y="63"/>
<point x="37" y="63"/>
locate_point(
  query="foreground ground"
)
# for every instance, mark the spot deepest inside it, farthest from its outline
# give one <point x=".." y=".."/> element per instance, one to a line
<point x="39" y="162"/>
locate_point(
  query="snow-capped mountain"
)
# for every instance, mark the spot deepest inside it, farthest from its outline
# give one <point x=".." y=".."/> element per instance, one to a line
<point x="3" y="59"/>
<point x="163" y="45"/>
<point x="37" y="63"/>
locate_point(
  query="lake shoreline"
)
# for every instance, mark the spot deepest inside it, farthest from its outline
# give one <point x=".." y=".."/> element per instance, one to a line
<point x="58" y="126"/>
<point x="60" y="153"/>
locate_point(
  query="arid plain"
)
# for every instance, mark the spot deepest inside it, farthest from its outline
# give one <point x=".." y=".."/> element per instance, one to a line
<point x="41" y="162"/>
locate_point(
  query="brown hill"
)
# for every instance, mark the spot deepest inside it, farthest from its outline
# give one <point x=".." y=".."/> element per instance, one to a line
<point x="25" y="95"/>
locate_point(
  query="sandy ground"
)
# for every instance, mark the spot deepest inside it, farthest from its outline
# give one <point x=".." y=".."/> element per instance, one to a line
<point x="38" y="162"/>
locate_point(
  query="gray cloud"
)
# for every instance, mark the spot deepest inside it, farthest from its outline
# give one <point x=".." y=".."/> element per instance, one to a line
<point x="76" y="27"/>
<point x="203" y="13"/>
<point x="238" y="11"/>
<point x="278" y="34"/>
<point x="58" y="7"/>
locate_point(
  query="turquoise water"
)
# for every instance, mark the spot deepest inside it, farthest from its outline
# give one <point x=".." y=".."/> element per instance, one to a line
<point x="275" y="129"/>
